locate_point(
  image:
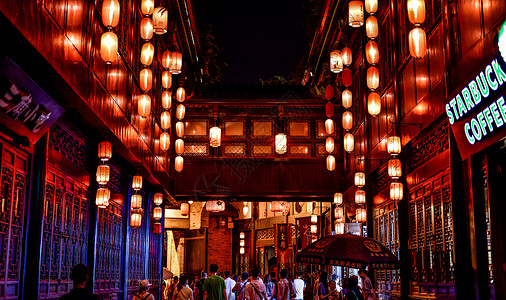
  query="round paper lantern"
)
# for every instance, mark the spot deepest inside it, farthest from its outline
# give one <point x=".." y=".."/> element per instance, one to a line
<point x="103" y="174"/>
<point x="355" y="13"/>
<point x="110" y="13"/>
<point x="374" y="104"/>
<point x="180" y="129"/>
<point x="136" y="220"/>
<point x="278" y="206"/>
<point x="329" y="92"/>
<point x="215" y="136"/>
<point x="371" y="6"/>
<point x="372" y="52"/>
<point x="394" y="168"/>
<point x="177" y="62"/>
<point x="349" y="142"/>
<point x="336" y="61"/>
<point x="331" y="163"/>
<point x="179" y="146"/>
<point x="185" y="209"/>
<point x="372" y="78"/>
<point x="361" y="215"/>
<point x="157" y="213"/>
<point x="146" y="79"/>
<point x="371" y="27"/>
<point x="329" y="109"/>
<point x="347" y="56"/>
<point x="137" y="182"/>
<point x="178" y="163"/>
<point x="147" y="53"/>
<point x="416" y="11"/>
<point x="157" y="228"/>
<point x="166" y="59"/>
<point x="109" y="47"/>
<point x="166" y="80"/>
<point x="215" y="206"/>
<point x="103" y="197"/>
<point x="165" y="120"/>
<point x="180" y="111"/>
<point x="394" y="145"/>
<point x="417" y="42"/>
<point x="346" y="77"/>
<point x="396" y="191"/>
<point x="158" y="198"/>
<point x="339" y="213"/>
<point x="347" y="120"/>
<point x="104" y="150"/>
<point x="359" y="179"/>
<point x="164" y="141"/>
<point x="242" y="235"/>
<point x="136" y="201"/>
<point x="347" y="98"/>
<point x="339" y="228"/>
<point x="144" y="105"/>
<point x="147" y="7"/>
<point x="329" y="145"/>
<point x="160" y="20"/>
<point x="280" y="143"/>
<point x="180" y="94"/>
<point x="329" y="126"/>
<point x="166" y="100"/>
<point x="146" y="29"/>
<point x="338" y="198"/>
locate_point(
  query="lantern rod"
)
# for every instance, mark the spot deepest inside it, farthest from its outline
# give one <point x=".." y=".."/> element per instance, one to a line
<point x="403" y="124"/>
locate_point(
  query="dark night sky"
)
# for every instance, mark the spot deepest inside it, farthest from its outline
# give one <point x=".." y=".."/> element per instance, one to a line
<point x="260" y="38"/>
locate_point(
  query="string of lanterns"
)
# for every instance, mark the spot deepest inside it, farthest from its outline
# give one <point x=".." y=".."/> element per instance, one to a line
<point x="103" y="174"/>
<point x="360" y="213"/>
<point x="109" y="39"/>
<point x="395" y="168"/>
<point x="180" y="113"/>
<point x="372" y="57"/>
<point x="136" y="202"/>
<point x="417" y="38"/>
<point x="329" y="111"/>
<point x="314" y="228"/>
<point x="347" y="101"/>
<point x="241" y="242"/>
<point x="339" y="224"/>
<point x="157" y="213"/>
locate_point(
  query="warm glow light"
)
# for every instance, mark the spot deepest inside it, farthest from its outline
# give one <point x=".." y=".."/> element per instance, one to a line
<point x="241" y="250"/>
<point x="103" y="174"/>
<point x="361" y="215"/>
<point x="349" y="142"/>
<point x="147" y="7"/>
<point x="371" y="6"/>
<point x="215" y="136"/>
<point x="394" y="145"/>
<point x="166" y="59"/>
<point x="179" y="146"/>
<point x="166" y="99"/>
<point x="137" y="182"/>
<point x="242" y="235"/>
<point x="359" y="179"/>
<point x="278" y="206"/>
<point x="242" y="243"/>
<point x="180" y="129"/>
<point x="185" y="209"/>
<point x="146" y="79"/>
<point x="417" y="42"/>
<point x="147" y="53"/>
<point x="104" y="150"/>
<point x="110" y="13"/>
<point x="347" y="120"/>
<point x="164" y="141"/>
<point x="166" y="80"/>
<point x="336" y="61"/>
<point x="178" y="163"/>
<point x="329" y="126"/>
<point x="331" y="163"/>
<point x="136" y="220"/>
<point x="396" y="191"/>
<point x="346" y="77"/>
<point x="394" y="168"/>
<point x="339" y="213"/>
<point x="329" y="145"/>
<point x="338" y="198"/>
<point x="165" y="120"/>
<point x="144" y="105"/>
<point x="180" y="111"/>
<point x="347" y="98"/>
<point x="355" y="13"/>
<point x="136" y="201"/>
<point x="109" y="47"/>
<point x="372" y="78"/>
<point x="280" y="142"/>
<point x="103" y="197"/>
<point x="374" y="104"/>
<point x="416" y="11"/>
<point x="160" y="19"/>
<point x="314" y="229"/>
<point x="347" y="56"/>
<point x="146" y="29"/>
<point x="314" y="219"/>
<point x="177" y="62"/>
<point x="372" y="52"/>
<point x="158" y="198"/>
<point x="180" y="94"/>
<point x="371" y="27"/>
<point x="157" y="213"/>
<point x="245" y="210"/>
<point x="339" y="228"/>
<point x="215" y="206"/>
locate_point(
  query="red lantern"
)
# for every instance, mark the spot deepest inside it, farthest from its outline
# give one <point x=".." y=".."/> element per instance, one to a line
<point x="331" y="163"/>
<point x="158" y="198"/>
<point x="372" y="52"/>
<point x="347" y="120"/>
<point x="110" y="13"/>
<point x="185" y="209"/>
<point x="104" y="150"/>
<point x="329" y="126"/>
<point x="346" y="77"/>
<point x="180" y="94"/>
<point x="180" y="129"/>
<point x="157" y="213"/>
<point x="416" y="11"/>
<point x="349" y="142"/>
<point x="371" y="27"/>
<point x="361" y="215"/>
<point x="179" y="146"/>
<point x="372" y="78"/>
<point x="146" y="79"/>
<point x="355" y="13"/>
<point x="165" y="120"/>
<point x="157" y="228"/>
<point x="136" y="201"/>
<point x="417" y="42"/>
<point x="147" y="53"/>
<point x="347" y="56"/>
<point x="166" y="59"/>
<point x="146" y="29"/>
<point x="144" y="105"/>
<point x="180" y="111"/>
<point x="279" y="206"/>
<point x="374" y="104"/>
<point x="166" y="80"/>
<point x="329" y="109"/>
<point x="136" y="219"/>
<point x="166" y="100"/>
<point x="160" y="20"/>
<point x="329" y="145"/>
<point x="329" y="92"/>
<point x="164" y="141"/>
<point x="178" y="163"/>
<point x="347" y="98"/>
<point x="371" y="6"/>
<point x="109" y="47"/>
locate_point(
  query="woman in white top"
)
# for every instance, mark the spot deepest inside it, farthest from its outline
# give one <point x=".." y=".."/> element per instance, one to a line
<point x="182" y="290"/>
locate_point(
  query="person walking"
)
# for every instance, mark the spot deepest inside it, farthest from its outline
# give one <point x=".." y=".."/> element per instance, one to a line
<point x="229" y="285"/>
<point x="198" y="290"/>
<point x="255" y="290"/>
<point x="79" y="275"/>
<point x="143" y="293"/>
<point x="240" y="285"/>
<point x="299" y="285"/>
<point x="214" y="286"/>
<point x="352" y="290"/>
<point x="283" y="289"/>
<point x="322" y="290"/>
<point x="182" y="290"/>
<point x="269" y="286"/>
<point x="367" y="288"/>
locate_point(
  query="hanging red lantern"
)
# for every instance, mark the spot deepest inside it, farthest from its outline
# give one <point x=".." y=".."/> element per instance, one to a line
<point x="394" y="168"/>
<point x="104" y="150"/>
<point x="329" y="126"/>
<point x="179" y="146"/>
<point x="180" y="94"/>
<point x="160" y="20"/>
<point x="157" y="228"/>
<point x="347" y="98"/>
<point x="165" y="120"/>
<point x="158" y="198"/>
<point x="146" y="29"/>
<point x="336" y="61"/>
<point x="372" y="52"/>
<point x="157" y="213"/>
<point x="374" y="104"/>
<point x="359" y="179"/>
<point x="136" y="201"/>
<point x="355" y="13"/>
<point x="339" y="228"/>
<point x="372" y="78"/>
<point x="338" y="198"/>
<point x="166" y="59"/>
<point x="137" y="182"/>
<point x="164" y="141"/>
<point x="329" y="92"/>
<point x="349" y="142"/>
<point x="215" y="206"/>
<point x="144" y="105"/>
<point x="361" y="215"/>
<point x="178" y="163"/>
<point x="146" y="79"/>
<point x="215" y="136"/>
<point x="394" y="145"/>
<point x="166" y="100"/>
<point x="329" y="109"/>
<point x="417" y="42"/>
<point x="396" y="191"/>
<point x="136" y="220"/>
<point x="371" y="27"/>
<point x="347" y="120"/>
<point x="331" y="163"/>
<point x="347" y="56"/>
<point x="177" y="62"/>
<point x="339" y="213"/>
<point x="147" y="7"/>
<point x="147" y="54"/>
<point x="103" y="197"/>
<point x="166" y="80"/>
<point x="180" y="111"/>
<point x="180" y="129"/>
<point x="346" y="77"/>
<point x="103" y="174"/>
<point x="110" y="13"/>
<point x="109" y="47"/>
<point x="185" y="209"/>
<point x="278" y="206"/>
<point x="416" y="11"/>
<point x="371" y="6"/>
<point x="329" y="145"/>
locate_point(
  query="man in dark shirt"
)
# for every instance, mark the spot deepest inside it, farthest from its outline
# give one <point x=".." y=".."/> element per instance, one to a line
<point x="199" y="286"/>
<point x="79" y="275"/>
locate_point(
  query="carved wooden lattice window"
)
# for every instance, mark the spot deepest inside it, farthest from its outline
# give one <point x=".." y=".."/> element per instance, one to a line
<point x="136" y="255"/>
<point x="154" y="259"/>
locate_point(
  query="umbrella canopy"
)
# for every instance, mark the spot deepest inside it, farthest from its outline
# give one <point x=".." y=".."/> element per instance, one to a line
<point x="348" y="250"/>
<point x="167" y="274"/>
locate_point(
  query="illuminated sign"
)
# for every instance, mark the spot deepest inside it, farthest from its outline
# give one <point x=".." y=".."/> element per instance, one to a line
<point x="501" y="41"/>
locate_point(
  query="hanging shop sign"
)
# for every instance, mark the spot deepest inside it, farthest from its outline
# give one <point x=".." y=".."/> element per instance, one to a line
<point x="25" y="109"/>
<point x="282" y="237"/>
<point x="478" y="111"/>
